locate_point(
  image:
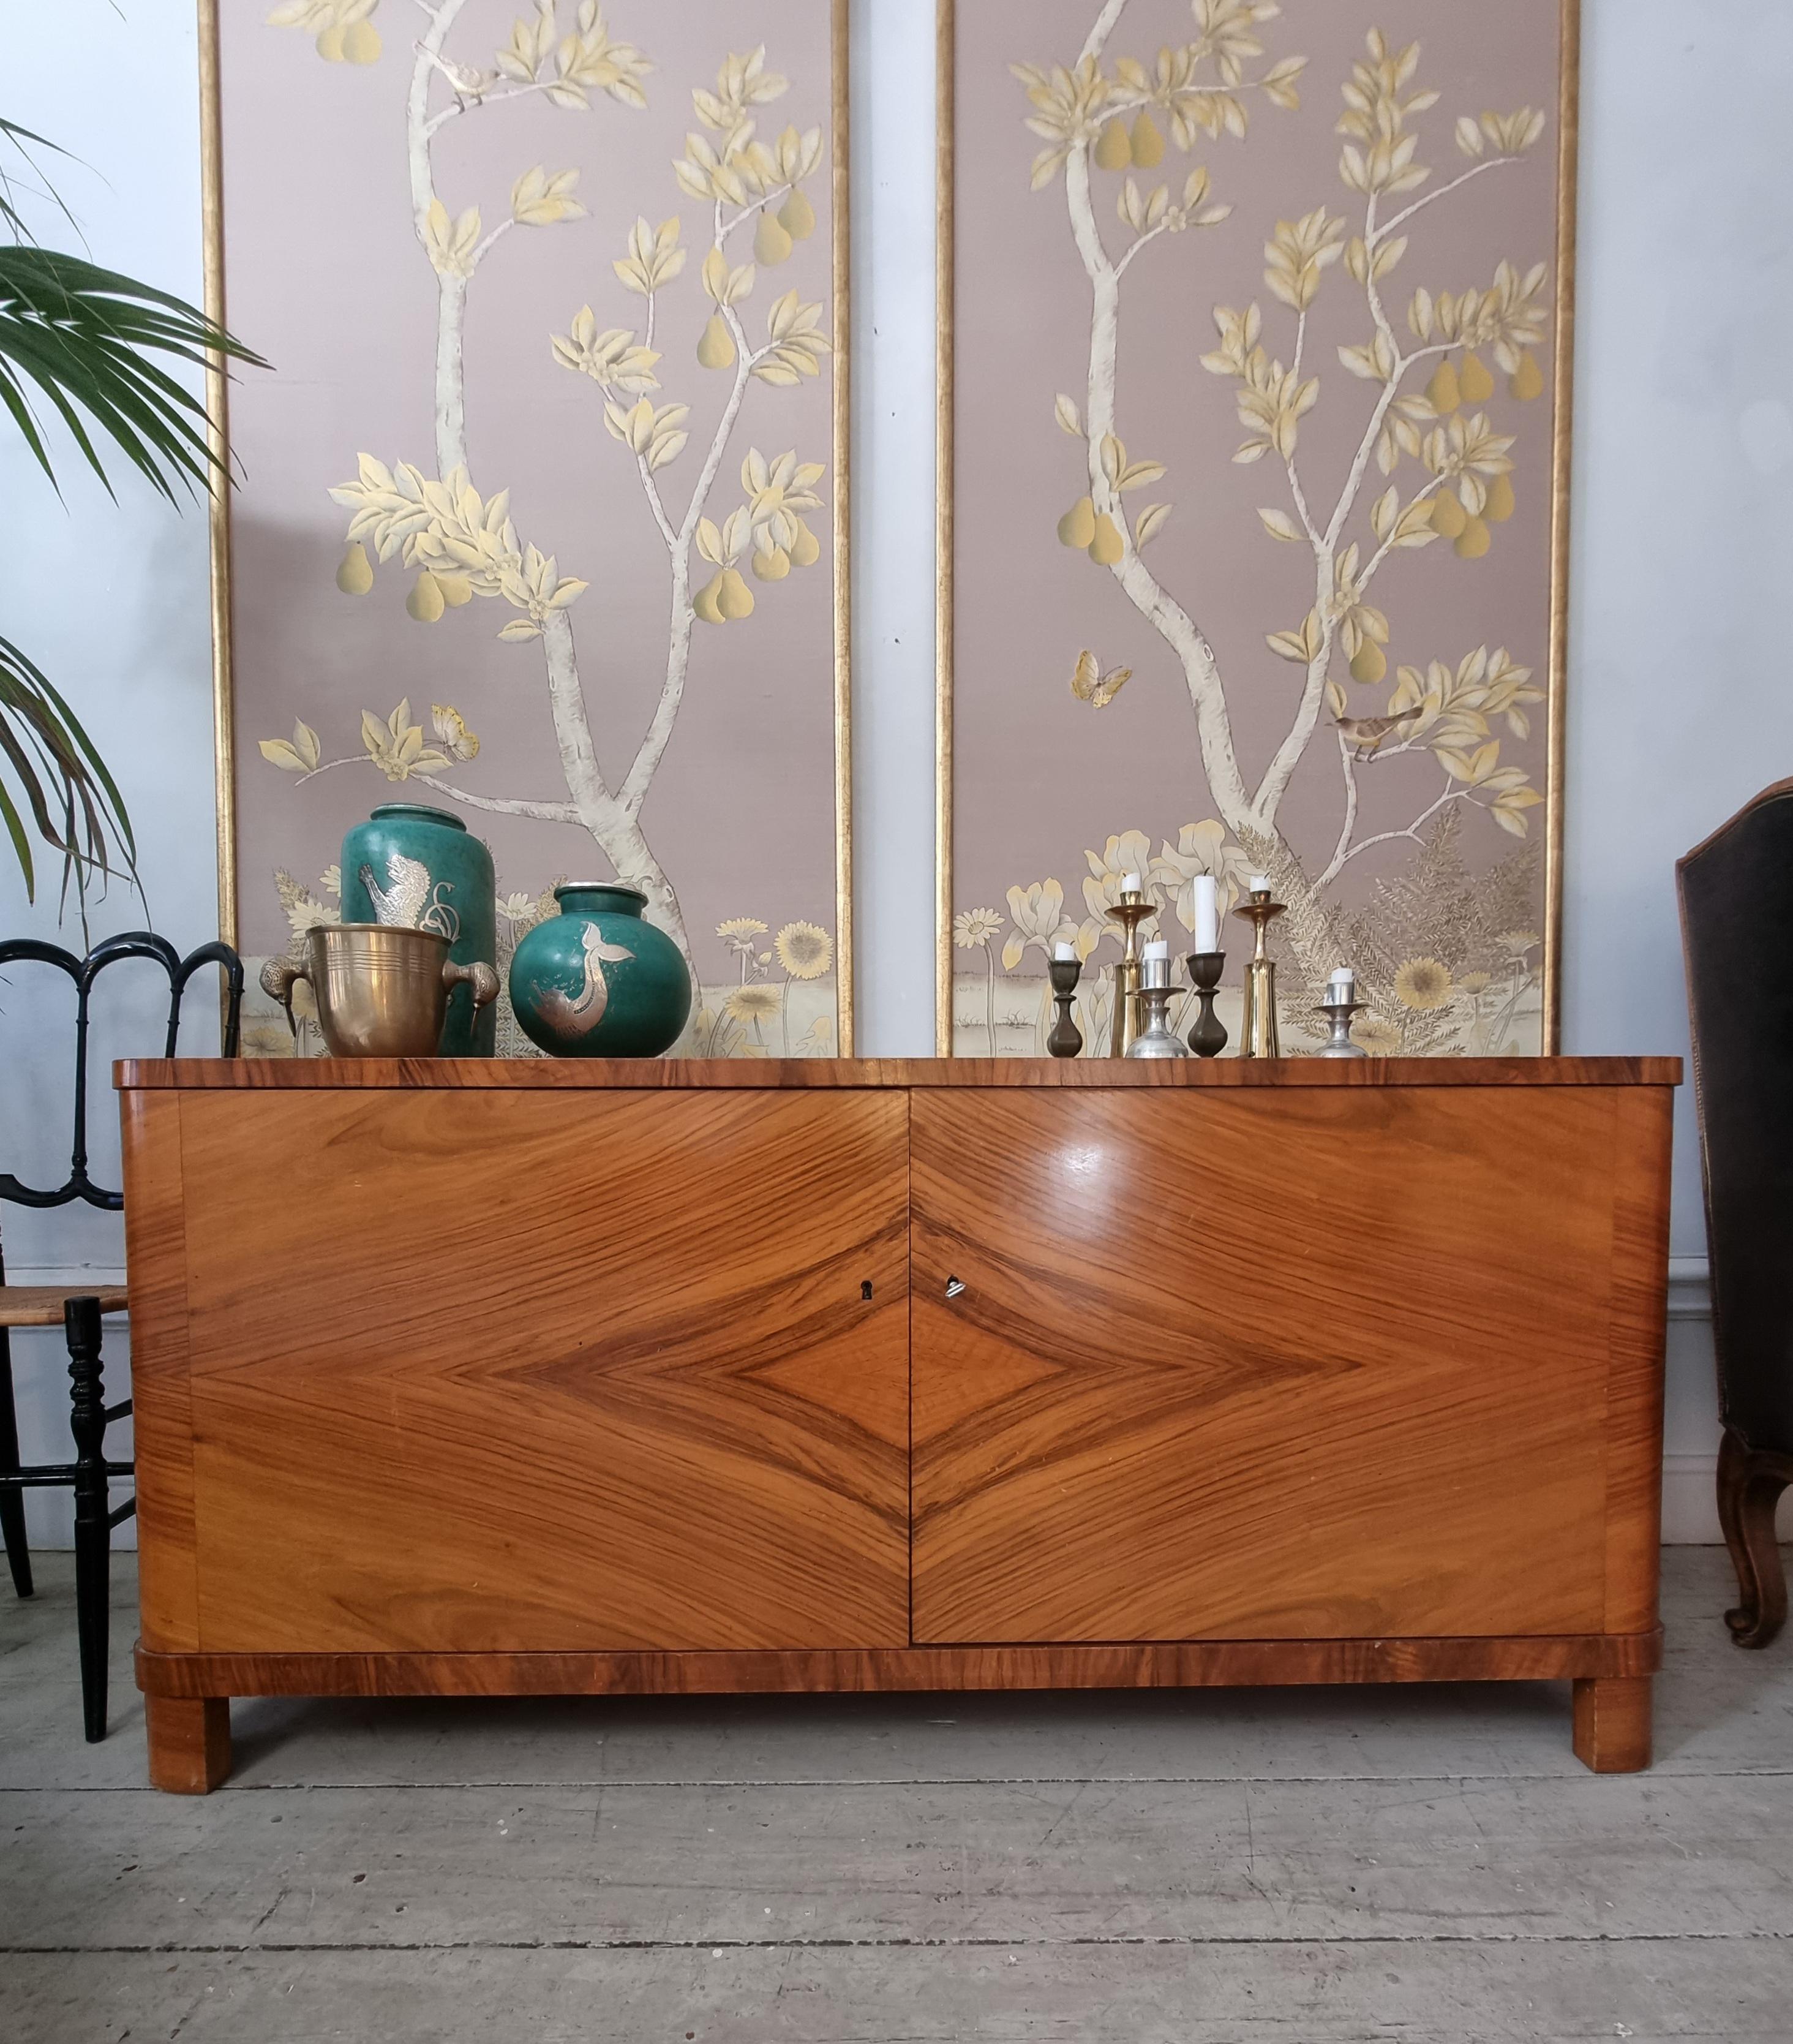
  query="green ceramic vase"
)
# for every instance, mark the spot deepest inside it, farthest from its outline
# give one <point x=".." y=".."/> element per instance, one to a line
<point x="597" y="981"/>
<point x="423" y="868"/>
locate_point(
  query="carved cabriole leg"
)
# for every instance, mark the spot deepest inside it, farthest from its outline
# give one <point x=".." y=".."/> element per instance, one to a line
<point x="1612" y="1723"/>
<point x="1749" y="1487"/>
<point x="189" y="1742"/>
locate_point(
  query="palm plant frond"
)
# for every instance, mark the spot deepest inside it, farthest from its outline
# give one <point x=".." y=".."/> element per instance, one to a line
<point x="104" y="351"/>
<point x="20" y="142"/>
<point x="54" y="770"/>
<point x="86" y="337"/>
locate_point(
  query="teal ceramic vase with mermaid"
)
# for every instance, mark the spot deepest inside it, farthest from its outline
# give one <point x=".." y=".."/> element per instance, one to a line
<point x="597" y="981"/>
<point x="421" y="869"/>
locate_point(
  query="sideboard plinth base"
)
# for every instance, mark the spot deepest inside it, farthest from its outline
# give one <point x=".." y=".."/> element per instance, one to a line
<point x="189" y="1740"/>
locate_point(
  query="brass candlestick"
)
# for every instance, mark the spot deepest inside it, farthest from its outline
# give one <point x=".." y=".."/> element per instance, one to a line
<point x="1066" y="1040"/>
<point x="1258" y="1037"/>
<point x="1130" y="912"/>
<point x="1207" y="1036"/>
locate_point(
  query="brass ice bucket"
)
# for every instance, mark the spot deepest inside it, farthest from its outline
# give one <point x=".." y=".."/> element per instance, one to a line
<point x="381" y="990"/>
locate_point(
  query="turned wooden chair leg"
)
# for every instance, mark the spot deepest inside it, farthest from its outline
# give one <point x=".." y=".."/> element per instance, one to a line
<point x="1749" y="1488"/>
<point x="189" y="1742"/>
<point x="1612" y="1723"/>
<point x="93" y="1522"/>
<point x="12" y="1502"/>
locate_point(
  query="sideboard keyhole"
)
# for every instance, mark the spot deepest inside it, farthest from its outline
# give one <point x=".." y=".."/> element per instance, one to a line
<point x="954" y="1286"/>
<point x="865" y="1288"/>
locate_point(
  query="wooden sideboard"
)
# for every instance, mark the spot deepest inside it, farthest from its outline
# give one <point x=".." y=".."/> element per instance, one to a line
<point x="496" y="1378"/>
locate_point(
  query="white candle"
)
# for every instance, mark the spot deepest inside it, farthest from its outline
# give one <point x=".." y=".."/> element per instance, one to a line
<point x="1130" y="884"/>
<point x="1207" y="914"/>
<point x="1063" y="953"/>
<point x="1260" y="883"/>
<point x="1343" y="976"/>
<point x="1158" y="947"/>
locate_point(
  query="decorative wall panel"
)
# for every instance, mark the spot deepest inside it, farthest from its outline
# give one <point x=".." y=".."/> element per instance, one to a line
<point x="541" y="513"/>
<point x="1254" y="421"/>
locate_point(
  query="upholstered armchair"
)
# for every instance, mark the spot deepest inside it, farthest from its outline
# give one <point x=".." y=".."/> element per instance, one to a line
<point x="1736" y="932"/>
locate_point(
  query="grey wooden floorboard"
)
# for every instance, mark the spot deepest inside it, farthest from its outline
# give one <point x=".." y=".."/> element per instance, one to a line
<point x="1407" y="1993"/>
<point x="933" y="1863"/>
<point x="1430" y="1866"/>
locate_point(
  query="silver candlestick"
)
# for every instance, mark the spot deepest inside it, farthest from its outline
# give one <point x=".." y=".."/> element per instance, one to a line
<point x="1340" y="1004"/>
<point x="1157" y="1039"/>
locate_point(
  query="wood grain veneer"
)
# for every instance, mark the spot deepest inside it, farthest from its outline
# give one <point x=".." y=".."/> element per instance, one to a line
<point x="828" y="1074"/>
<point x="1612" y="1723"/>
<point x="1229" y="1365"/>
<point x="189" y="1742"/>
<point x="42" y="1305"/>
<point x="1181" y="1664"/>
<point x="472" y="1371"/>
<point x="161" y="1388"/>
<point x="496" y="1378"/>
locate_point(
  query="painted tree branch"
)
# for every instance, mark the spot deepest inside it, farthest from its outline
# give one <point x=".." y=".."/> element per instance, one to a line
<point x="611" y="822"/>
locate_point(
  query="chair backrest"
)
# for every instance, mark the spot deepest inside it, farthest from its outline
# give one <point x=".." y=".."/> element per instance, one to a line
<point x="84" y="971"/>
<point x="1737" y="934"/>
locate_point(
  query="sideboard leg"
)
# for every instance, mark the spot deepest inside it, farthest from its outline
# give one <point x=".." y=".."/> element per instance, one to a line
<point x="1612" y="1723"/>
<point x="189" y="1742"/>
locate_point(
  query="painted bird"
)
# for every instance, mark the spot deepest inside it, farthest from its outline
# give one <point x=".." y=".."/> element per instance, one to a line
<point x="470" y="85"/>
<point x="579" y="1014"/>
<point x="1365" y="734"/>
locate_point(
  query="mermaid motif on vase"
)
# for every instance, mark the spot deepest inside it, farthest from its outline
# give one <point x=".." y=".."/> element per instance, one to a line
<point x="579" y="1014"/>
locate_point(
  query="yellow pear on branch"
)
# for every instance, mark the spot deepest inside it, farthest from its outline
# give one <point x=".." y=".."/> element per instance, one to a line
<point x="1443" y="393"/>
<point x="796" y="216"/>
<point x="705" y="605"/>
<point x="807" y="551"/>
<point x="772" y="244"/>
<point x="1528" y="379"/>
<point x="1448" y="514"/>
<point x="426" y="602"/>
<point x="1474" y="540"/>
<point x="1500" y="506"/>
<point x="354" y="576"/>
<point x="1106" y="548"/>
<point x="1474" y="383"/>
<point x="1368" y="663"/>
<point x="734" y="599"/>
<point x="1113" y="150"/>
<point x="716" y="349"/>
<point x="772" y="566"/>
<point x="1147" y="144"/>
<point x="1077" y="527"/>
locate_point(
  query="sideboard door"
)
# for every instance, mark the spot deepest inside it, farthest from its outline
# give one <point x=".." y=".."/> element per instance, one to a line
<point x="528" y="1371"/>
<point x="1289" y="1363"/>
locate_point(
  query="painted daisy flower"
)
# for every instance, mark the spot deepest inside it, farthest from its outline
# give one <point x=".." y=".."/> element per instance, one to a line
<point x="805" y="950"/>
<point x="976" y="927"/>
<point x="1423" y="983"/>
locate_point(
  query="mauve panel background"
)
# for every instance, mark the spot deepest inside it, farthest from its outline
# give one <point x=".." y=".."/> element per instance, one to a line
<point x="1039" y="776"/>
<point x="326" y="278"/>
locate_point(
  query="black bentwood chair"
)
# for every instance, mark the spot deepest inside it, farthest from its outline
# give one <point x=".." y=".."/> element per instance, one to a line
<point x="1736" y="931"/>
<point x="80" y="1313"/>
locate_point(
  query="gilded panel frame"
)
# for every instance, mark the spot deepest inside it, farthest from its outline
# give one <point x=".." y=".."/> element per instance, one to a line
<point x="1562" y="358"/>
<point x="217" y="390"/>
